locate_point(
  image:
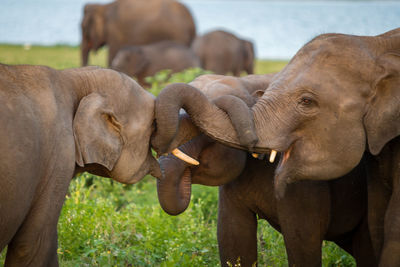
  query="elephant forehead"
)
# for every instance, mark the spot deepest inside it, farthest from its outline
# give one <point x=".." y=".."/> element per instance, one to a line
<point x="340" y="52"/>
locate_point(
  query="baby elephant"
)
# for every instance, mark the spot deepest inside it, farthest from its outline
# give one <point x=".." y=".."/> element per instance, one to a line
<point x="54" y="124"/>
<point x="222" y="52"/>
<point x="147" y="60"/>
<point x="309" y="213"/>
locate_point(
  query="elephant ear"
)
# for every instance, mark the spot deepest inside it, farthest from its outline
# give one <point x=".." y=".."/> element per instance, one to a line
<point x="382" y="120"/>
<point x="97" y="133"/>
<point x="258" y="94"/>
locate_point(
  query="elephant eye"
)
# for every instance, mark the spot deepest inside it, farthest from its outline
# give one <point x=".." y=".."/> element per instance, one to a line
<point x="306" y="101"/>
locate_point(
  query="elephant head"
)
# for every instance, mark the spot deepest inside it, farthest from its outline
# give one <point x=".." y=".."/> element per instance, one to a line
<point x="338" y="95"/>
<point x="112" y="128"/>
<point x="130" y="60"/>
<point x="248" y="56"/>
<point x="93" y="29"/>
<point x="219" y="164"/>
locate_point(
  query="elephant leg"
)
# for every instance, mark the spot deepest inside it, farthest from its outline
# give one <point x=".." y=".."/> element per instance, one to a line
<point x="35" y="243"/>
<point x="236" y="72"/>
<point x="378" y="200"/>
<point x="391" y="248"/>
<point x="362" y="249"/>
<point x="112" y="51"/>
<point x="304" y="216"/>
<point x="237" y="231"/>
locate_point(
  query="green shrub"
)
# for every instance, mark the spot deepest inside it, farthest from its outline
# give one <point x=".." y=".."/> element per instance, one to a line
<point x="164" y="77"/>
<point x="109" y="224"/>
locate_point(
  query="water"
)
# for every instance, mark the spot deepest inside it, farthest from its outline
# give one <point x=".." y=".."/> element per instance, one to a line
<point x="278" y="28"/>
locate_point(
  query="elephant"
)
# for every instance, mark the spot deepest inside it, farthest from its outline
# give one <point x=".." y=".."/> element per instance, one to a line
<point x="337" y="99"/>
<point x="310" y="212"/>
<point x="222" y="52"/>
<point x="55" y="124"/>
<point x="130" y="22"/>
<point x="147" y="60"/>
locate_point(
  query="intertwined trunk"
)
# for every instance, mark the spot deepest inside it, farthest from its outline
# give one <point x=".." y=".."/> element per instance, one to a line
<point x="227" y="119"/>
<point x="174" y="188"/>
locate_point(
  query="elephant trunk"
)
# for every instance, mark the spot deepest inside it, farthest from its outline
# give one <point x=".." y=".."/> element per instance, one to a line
<point x="174" y="188"/>
<point x="227" y="119"/>
<point x="187" y="131"/>
<point x="85" y="49"/>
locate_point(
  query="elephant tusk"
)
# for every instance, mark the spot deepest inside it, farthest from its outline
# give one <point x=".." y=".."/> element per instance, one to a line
<point x="182" y="156"/>
<point x="255" y="155"/>
<point x="272" y="156"/>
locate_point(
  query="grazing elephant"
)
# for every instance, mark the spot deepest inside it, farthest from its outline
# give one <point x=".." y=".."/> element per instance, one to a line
<point x="309" y="213"/>
<point x="147" y="60"/>
<point x="131" y="22"/>
<point x="54" y="124"/>
<point x="337" y="97"/>
<point x="223" y="52"/>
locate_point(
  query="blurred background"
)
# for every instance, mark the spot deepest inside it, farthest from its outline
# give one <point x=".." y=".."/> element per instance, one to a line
<point x="277" y="28"/>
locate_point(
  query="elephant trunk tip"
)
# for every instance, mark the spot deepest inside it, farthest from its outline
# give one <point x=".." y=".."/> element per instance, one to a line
<point x="249" y="139"/>
<point x="172" y="212"/>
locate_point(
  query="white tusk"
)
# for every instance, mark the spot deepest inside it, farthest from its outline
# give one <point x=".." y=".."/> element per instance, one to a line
<point x="272" y="156"/>
<point x="180" y="155"/>
<point x="255" y="155"/>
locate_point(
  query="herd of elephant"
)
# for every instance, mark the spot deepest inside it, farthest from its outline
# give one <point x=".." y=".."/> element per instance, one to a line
<point x="313" y="149"/>
<point x="145" y="37"/>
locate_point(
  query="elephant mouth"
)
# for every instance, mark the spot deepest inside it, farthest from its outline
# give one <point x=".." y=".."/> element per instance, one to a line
<point x="285" y="155"/>
<point x="138" y="172"/>
<point x="285" y="170"/>
<point x="271" y="152"/>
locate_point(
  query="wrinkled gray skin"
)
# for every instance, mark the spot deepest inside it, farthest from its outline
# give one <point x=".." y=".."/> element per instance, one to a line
<point x="218" y="88"/>
<point x="57" y="123"/>
<point x="131" y="22"/>
<point x="336" y="98"/>
<point x="309" y="213"/>
<point x="222" y="52"/>
<point x="147" y="60"/>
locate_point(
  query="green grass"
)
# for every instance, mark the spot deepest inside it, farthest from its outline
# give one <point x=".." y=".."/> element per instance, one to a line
<point x="111" y="224"/>
<point x="59" y="57"/>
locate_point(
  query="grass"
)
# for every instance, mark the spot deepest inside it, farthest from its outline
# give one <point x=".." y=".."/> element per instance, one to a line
<point x="111" y="224"/>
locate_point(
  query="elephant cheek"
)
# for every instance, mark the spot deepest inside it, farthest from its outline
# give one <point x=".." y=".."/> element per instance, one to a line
<point x="130" y="168"/>
<point x="320" y="159"/>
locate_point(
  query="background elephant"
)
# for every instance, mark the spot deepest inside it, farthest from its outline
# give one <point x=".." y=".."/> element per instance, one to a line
<point x="131" y="22"/>
<point x="147" y="60"/>
<point x="57" y="123"/>
<point x="337" y="96"/>
<point x="223" y="52"/>
<point x="309" y="213"/>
